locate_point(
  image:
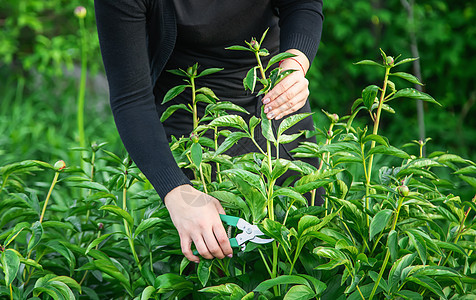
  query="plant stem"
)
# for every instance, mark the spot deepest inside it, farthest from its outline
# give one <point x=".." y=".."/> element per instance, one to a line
<point x="375" y="132"/>
<point x="130" y="238"/>
<point x="216" y="147"/>
<point x="460" y="231"/>
<point x="387" y="254"/>
<point x="55" y="179"/>
<point x="195" y="113"/>
<point x="260" y="66"/>
<point x="203" y="179"/>
<point x="82" y="86"/>
<point x="377" y="120"/>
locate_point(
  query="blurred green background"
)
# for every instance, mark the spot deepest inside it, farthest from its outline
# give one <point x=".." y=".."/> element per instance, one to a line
<point x="40" y="58"/>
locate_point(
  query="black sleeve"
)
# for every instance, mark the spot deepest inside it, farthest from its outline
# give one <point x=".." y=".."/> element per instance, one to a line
<point x="122" y="33"/>
<point x="300" y="25"/>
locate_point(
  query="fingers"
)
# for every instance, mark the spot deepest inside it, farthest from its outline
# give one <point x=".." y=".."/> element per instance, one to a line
<point x="198" y="224"/>
<point x="286" y="97"/>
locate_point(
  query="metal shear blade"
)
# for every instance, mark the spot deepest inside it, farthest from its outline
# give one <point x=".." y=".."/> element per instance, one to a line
<point x="250" y="233"/>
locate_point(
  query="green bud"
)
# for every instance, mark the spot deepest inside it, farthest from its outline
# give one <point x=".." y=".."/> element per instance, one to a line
<point x="390" y="61"/>
<point x="335" y="118"/>
<point x="403" y="190"/>
<point x="194" y="138"/>
<point x="59" y="165"/>
<point x="254" y="44"/>
<point x="80" y="12"/>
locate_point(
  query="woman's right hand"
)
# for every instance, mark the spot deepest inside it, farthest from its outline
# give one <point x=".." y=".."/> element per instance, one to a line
<point x="196" y="217"/>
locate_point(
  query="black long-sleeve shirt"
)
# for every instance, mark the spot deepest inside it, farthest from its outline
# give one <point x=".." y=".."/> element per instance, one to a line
<point x="137" y="39"/>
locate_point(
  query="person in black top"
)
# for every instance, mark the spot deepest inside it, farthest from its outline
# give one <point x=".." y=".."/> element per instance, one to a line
<point x="140" y="39"/>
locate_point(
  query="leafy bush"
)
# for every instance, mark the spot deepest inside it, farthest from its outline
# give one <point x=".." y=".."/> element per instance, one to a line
<point x="389" y="229"/>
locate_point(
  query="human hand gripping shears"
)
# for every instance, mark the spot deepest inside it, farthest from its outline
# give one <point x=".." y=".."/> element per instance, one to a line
<point x="250" y="233"/>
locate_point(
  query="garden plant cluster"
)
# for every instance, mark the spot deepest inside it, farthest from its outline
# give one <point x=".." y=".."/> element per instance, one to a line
<point x="391" y="227"/>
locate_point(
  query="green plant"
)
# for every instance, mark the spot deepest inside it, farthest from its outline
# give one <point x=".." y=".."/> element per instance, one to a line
<point x="393" y="228"/>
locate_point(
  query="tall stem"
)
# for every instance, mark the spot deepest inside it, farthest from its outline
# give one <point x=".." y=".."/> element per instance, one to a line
<point x="216" y="147"/>
<point x="126" y="225"/>
<point x="82" y="86"/>
<point x="377" y="121"/>
<point x="387" y="254"/>
<point x="55" y="179"/>
<point x="195" y="113"/>
<point x="260" y="66"/>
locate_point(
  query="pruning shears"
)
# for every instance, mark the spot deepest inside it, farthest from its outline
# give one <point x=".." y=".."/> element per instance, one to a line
<point x="250" y="233"/>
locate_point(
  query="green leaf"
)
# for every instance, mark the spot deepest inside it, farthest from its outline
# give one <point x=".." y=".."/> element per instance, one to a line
<point x="231" y="200"/>
<point x="283" y="279"/>
<point x="291" y="121"/>
<point x="419" y="243"/>
<point x="410" y="295"/>
<point x="89" y="185"/>
<point x="37" y="234"/>
<point x="208" y="72"/>
<point x="237" y="47"/>
<point x="107" y="267"/>
<point x="97" y="241"/>
<point x="203" y="271"/>
<point x="147" y="293"/>
<point x="299" y="292"/>
<point x="11" y="264"/>
<point x="466" y="170"/>
<point x="172" y="282"/>
<point x="249" y="82"/>
<point x="196" y="151"/>
<point x="369" y="62"/>
<point x="390" y="150"/>
<point x="277" y="231"/>
<point x="68" y="281"/>
<point x="393" y="244"/>
<point x="395" y="273"/>
<point x="379" y="222"/>
<point x="234" y="121"/>
<point x="377" y="138"/>
<point x="277" y="58"/>
<point x="407" y="77"/>
<point x="174" y="92"/>
<point x="225" y="105"/>
<point x="266" y="127"/>
<point x="288" y="138"/>
<point x="171" y="109"/>
<point x="369" y="94"/>
<point x="404" y="61"/>
<point x="178" y="72"/>
<point x="146" y="224"/>
<point x="119" y="212"/>
<point x="428" y="283"/>
<point x="413" y="94"/>
<point x="226" y="289"/>
<point x="288" y="192"/>
<point x="230" y="140"/>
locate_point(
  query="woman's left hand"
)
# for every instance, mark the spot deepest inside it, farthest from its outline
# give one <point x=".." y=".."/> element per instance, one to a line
<point x="291" y="93"/>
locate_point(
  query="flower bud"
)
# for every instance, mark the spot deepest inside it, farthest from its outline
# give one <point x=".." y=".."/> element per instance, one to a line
<point x="254" y="44"/>
<point x="194" y="138"/>
<point x="403" y="190"/>
<point x="390" y="61"/>
<point x="334" y="118"/>
<point x="100" y="226"/>
<point x="2" y="248"/>
<point x="330" y="133"/>
<point x="59" y="165"/>
<point x="80" y="12"/>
